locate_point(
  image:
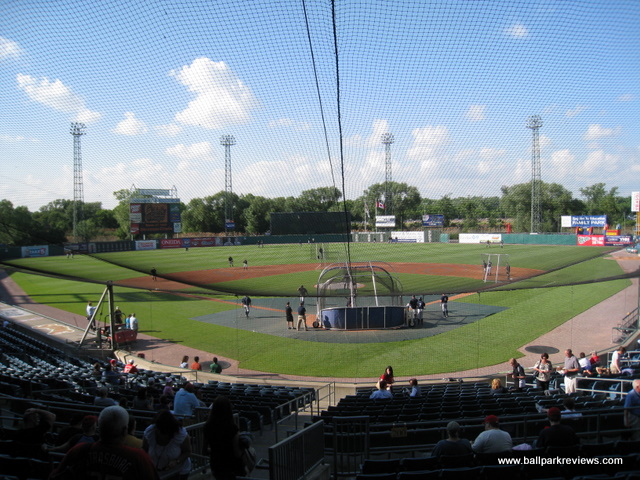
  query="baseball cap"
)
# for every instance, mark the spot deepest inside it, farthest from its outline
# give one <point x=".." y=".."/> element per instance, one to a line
<point x="554" y="413"/>
<point x="491" y="419"/>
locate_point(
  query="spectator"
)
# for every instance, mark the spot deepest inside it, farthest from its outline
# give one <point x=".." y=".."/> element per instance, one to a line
<point x="168" y="388"/>
<point x="102" y="399"/>
<point x="496" y="386"/>
<point x="570" y="372"/>
<point x="492" y="440"/>
<point x="185" y="402"/>
<point x="453" y="444"/>
<point x="30" y="438"/>
<point x="111" y="376"/>
<point x="594" y="359"/>
<point x="142" y="400"/>
<point x="130" y="367"/>
<point x="569" y="411"/>
<point x="615" y="367"/>
<point x="415" y="389"/>
<point x="133" y="322"/>
<point x="543" y="372"/>
<point x="196" y="364"/>
<point x="381" y="393"/>
<point x="556" y="435"/>
<point x="109" y="457"/>
<point x="96" y="373"/>
<point x="88" y="435"/>
<point x="632" y="410"/>
<point x="74" y="428"/>
<point x="387" y="376"/>
<point x="185" y="362"/>
<point x="519" y="379"/>
<point x="222" y="438"/>
<point x="215" y="366"/>
<point x="131" y="440"/>
<point x="168" y="445"/>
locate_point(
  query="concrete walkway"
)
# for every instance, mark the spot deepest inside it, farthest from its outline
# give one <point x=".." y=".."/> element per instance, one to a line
<point x="590" y="330"/>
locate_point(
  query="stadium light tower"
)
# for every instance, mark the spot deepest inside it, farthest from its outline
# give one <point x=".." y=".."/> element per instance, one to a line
<point x="534" y="122"/>
<point x="227" y="141"/>
<point x="387" y="140"/>
<point x="77" y="130"/>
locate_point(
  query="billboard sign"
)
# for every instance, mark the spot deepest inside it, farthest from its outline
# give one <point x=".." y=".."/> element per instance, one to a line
<point x="618" y="240"/>
<point x="588" y="220"/>
<point x="145" y="245"/>
<point x="480" y="238"/>
<point x="230" y="225"/>
<point x="36" y="251"/>
<point x="635" y="201"/>
<point x="385" y="221"/>
<point x="407" y="237"/>
<point x="590" y="240"/>
<point x="433" y="220"/>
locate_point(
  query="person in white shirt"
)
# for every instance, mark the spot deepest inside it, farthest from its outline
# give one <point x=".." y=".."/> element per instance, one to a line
<point x="492" y="440"/>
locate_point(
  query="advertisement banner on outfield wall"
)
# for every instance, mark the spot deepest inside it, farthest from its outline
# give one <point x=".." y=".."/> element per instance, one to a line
<point x="590" y="240"/>
<point x="407" y="237"/>
<point x="145" y="245"/>
<point x="206" y="242"/>
<point x="480" y="238"/>
<point x="36" y="251"/>
<point x="171" y="243"/>
<point x="618" y="240"/>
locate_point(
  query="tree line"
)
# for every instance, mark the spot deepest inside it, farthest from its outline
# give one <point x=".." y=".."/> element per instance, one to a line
<point x="53" y="222"/>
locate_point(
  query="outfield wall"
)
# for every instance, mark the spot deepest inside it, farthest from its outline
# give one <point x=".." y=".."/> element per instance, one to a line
<point x="546" y="239"/>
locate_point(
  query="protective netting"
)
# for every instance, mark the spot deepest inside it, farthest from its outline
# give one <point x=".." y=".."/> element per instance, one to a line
<point x="393" y="105"/>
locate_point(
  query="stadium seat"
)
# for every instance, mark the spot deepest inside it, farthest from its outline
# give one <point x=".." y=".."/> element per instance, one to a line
<point x="381" y="466"/>
<point x="419" y="464"/>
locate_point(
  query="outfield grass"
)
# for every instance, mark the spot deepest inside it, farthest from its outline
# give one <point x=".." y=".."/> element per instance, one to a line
<point x="530" y="313"/>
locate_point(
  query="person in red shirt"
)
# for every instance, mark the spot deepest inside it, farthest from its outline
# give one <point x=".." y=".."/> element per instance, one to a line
<point x="130" y="367"/>
<point x="196" y="364"/>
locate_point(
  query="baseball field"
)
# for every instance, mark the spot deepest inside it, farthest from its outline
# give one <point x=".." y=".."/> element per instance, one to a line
<point x="547" y="286"/>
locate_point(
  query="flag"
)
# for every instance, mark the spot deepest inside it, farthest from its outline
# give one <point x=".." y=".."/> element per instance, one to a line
<point x="379" y="204"/>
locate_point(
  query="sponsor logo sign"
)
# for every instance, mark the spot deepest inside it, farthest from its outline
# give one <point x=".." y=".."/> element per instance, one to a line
<point x="480" y="237"/>
<point x="171" y="243"/>
<point x="386" y="221"/>
<point x="145" y="245"/>
<point x="590" y="240"/>
<point x="618" y="240"/>
<point x="588" y="220"/>
<point x="36" y="251"/>
<point x="433" y="220"/>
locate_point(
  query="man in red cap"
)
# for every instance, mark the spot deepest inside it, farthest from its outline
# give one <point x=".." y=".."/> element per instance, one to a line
<point x="492" y="440"/>
<point x="556" y="435"/>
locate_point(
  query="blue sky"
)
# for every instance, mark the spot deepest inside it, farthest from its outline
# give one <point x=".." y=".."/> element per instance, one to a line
<point x="158" y="83"/>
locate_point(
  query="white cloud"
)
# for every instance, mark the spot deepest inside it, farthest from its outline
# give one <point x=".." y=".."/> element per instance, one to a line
<point x="517" y="30"/>
<point x="287" y="122"/>
<point x="380" y="127"/>
<point x="562" y="164"/>
<point x="476" y="113"/>
<point x="599" y="160"/>
<point x="16" y="139"/>
<point x="627" y="97"/>
<point x="58" y="96"/>
<point x="492" y="153"/>
<point x="130" y="126"/>
<point x="192" y="156"/>
<point x="597" y="131"/>
<point x="9" y="48"/>
<point x="576" y="111"/>
<point x="545" y="141"/>
<point x="221" y="97"/>
<point x="427" y="140"/>
<point x="170" y="130"/>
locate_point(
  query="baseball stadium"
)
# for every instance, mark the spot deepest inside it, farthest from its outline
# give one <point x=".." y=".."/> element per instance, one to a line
<point x="389" y="245"/>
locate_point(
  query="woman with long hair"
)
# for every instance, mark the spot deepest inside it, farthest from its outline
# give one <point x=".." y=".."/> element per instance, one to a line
<point x="168" y="444"/>
<point x="543" y="371"/>
<point x="222" y="438"/>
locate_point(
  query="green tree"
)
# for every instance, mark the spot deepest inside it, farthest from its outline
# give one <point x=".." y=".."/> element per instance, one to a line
<point x="320" y="199"/>
<point x="406" y="200"/>
<point x="258" y="215"/>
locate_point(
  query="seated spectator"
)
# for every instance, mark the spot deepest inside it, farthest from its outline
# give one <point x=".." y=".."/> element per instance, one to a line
<point x="557" y="434"/>
<point x="111" y="376"/>
<point x="381" y="393"/>
<point x="569" y="411"/>
<point x="142" y="401"/>
<point x="96" y="373"/>
<point x="492" y="440"/>
<point x="168" y="388"/>
<point x="496" y="386"/>
<point x="130" y="367"/>
<point x="131" y="440"/>
<point x="185" y="402"/>
<point x="88" y="435"/>
<point x="164" y="403"/>
<point x="102" y="399"/>
<point x="215" y="366"/>
<point x="168" y="445"/>
<point x="196" y="364"/>
<point x="585" y="364"/>
<point x="74" y="428"/>
<point x="29" y="440"/>
<point x="415" y="389"/>
<point x="594" y="359"/>
<point x="453" y="445"/>
<point x="109" y="457"/>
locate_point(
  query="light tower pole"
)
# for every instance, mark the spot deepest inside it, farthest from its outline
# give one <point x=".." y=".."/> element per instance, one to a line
<point x="534" y="122"/>
<point x="77" y="130"/>
<point x="387" y="140"/>
<point x="227" y="141"/>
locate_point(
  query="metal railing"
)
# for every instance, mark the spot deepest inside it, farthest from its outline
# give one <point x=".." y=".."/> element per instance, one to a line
<point x="296" y="456"/>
